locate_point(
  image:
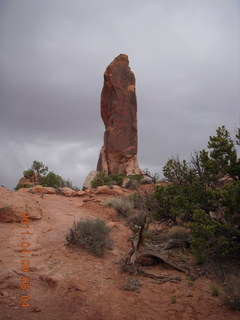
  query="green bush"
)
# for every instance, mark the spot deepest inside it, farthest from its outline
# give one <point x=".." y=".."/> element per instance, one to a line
<point x="102" y="179"/>
<point x="212" y="238"/>
<point x="52" y="180"/>
<point x="92" y="234"/>
<point x="123" y="205"/>
<point x="180" y="201"/>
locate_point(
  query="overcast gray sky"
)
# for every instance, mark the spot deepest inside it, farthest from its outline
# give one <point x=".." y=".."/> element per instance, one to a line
<point x="185" y="55"/>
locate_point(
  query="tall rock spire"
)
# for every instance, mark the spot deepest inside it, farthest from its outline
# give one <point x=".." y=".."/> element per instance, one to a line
<point x="119" y="114"/>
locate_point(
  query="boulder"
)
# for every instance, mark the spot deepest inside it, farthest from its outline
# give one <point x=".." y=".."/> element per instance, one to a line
<point x="119" y="114"/>
<point x="114" y="190"/>
<point x="39" y="189"/>
<point x="68" y="192"/>
<point x="103" y="190"/>
<point x="81" y="193"/>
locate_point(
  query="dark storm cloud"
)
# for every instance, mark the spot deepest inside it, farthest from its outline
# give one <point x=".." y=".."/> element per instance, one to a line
<point x="185" y="56"/>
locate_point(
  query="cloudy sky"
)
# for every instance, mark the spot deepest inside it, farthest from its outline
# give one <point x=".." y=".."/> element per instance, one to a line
<point x="185" y="55"/>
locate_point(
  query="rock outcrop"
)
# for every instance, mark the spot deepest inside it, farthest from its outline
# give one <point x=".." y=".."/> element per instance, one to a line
<point x="119" y="114"/>
<point x="12" y="204"/>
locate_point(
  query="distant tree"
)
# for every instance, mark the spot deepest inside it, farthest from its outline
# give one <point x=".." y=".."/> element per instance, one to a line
<point x="36" y="172"/>
<point x="207" y="166"/>
<point x="238" y="136"/>
<point x="222" y="158"/>
<point x="29" y="174"/>
<point x="52" y="180"/>
<point x="180" y="172"/>
<point x="39" y="168"/>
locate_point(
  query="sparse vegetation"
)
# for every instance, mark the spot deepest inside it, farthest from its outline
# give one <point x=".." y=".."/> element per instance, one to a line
<point x="132" y="284"/>
<point x="232" y="294"/>
<point x="92" y="234"/>
<point x="136" y="220"/>
<point x="214" y="290"/>
<point x="173" y="300"/>
<point x="102" y="179"/>
<point x="123" y="205"/>
<point x="126" y="267"/>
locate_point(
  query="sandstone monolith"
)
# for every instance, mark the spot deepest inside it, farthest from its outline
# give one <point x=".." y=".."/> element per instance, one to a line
<point x="119" y="114"/>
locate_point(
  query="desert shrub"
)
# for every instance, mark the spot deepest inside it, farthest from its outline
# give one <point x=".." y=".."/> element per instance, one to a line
<point x="99" y="180"/>
<point x="134" y="181"/>
<point x="19" y="186"/>
<point x="123" y="205"/>
<point x="129" y="268"/>
<point x="214" y="290"/>
<point x="137" y="200"/>
<point x="136" y="220"/>
<point x="137" y="177"/>
<point x="92" y="234"/>
<point x="132" y="284"/>
<point x="102" y="179"/>
<point x="232" y="295"/>
<point x="133" y="184"/>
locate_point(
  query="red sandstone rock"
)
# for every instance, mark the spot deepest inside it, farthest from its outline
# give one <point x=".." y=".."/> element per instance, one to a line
<point x="38" y="189"/>
<point x="68" y="192"/>
<point x="114" y="190"/>
<point x="81" y="193"/>
<point x="119" y="114"/>
<point x="12" y="204"/>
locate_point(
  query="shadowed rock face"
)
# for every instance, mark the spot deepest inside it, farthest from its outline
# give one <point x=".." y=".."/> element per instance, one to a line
<point x="119" y="114"/>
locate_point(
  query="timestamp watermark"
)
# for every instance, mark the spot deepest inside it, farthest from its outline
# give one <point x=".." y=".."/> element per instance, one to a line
<point x="25" y="262"/>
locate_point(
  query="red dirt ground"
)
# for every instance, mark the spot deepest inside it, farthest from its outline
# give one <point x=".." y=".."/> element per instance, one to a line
<point x="71" y="284"/>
